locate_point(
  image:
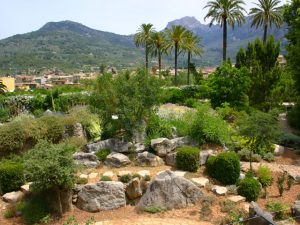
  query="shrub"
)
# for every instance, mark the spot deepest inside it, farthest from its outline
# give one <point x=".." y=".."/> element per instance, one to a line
<point x="290" y="140"/>
<point x="278" y="209"/>
<point x="191" y="102"/>
<point x="9" y="213"/>
<point x="81" y="180"/>
<point x="153" y="209"/>
<point x="105" y="178"/>
<point x="187" y="159"/>
<point x="269" y="157"/>
<point x="264" y="175"/>
<point x="102" y="154"/>
<point x="54" y="128"/>
<point x="76" y="142"/>
<point x="280" y="183"/>
<point x="136" y="176"/>
<point x="35" y="209"/>
<point x="249" y="188"/>
<point x="147" y="178"/>
<point x="210" y="166"/>
<point x="245" y="156"/>
<point x="289" y="182"/>
<point x="208" y="127"/>
<point x="11" y="176"/>
<point x="227" y="167"/>
<point x="173" y="95"/>
<point x="125" y="178"/>
<point x="227" y="206"/>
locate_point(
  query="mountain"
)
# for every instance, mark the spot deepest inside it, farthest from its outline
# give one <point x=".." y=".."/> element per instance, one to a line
<point x="71" y="46"/>
<point x="68" y="46"/>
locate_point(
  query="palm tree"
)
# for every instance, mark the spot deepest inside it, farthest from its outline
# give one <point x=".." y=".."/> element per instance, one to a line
<point x="143" y="38"/>
<point x="266" y="14"/>
<point x="158" y="46"/>
<point x="223" y="12"/>
<point x="176" y="36"/>
<point x="2" y="88"/>
<point x="191" y="46"/>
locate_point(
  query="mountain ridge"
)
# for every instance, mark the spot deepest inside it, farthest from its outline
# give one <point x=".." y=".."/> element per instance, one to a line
<point x="72" y="46"/>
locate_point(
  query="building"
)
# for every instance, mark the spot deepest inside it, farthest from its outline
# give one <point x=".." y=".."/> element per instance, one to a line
<point x="9" y="83"/>
<point x="207" y="71"/>
<point x="25" y="82"/>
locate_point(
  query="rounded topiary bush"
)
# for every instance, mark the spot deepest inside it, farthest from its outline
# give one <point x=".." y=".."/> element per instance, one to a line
<point x="187" y="159"/>
<point x="249" y="188"/>
<point x="210" y="166"/>
<point x="227" y="168"/>
<point x="11" y="176"/>
<point x="102" y="154"/>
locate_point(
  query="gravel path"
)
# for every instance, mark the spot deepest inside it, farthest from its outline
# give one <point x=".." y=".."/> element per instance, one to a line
<point x="152" y="221"/>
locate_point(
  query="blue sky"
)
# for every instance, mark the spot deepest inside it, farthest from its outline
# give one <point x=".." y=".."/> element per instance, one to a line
<point x="118" y="16"/>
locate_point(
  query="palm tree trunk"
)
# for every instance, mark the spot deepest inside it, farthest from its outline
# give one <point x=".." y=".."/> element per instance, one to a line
<point x="189" y="63"/>
<point x="224" y="39"/>
<point x="159" y="63"/>
<point x="265" y="33"/>
<point x="176" y="52"/>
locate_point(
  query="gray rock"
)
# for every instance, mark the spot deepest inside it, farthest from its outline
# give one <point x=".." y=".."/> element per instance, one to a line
<point x="87" y="159"/>
<point x="162" y="146"/>
<point x="279" y="150"/>
<point x="138" y="147"/>
<point x="168" y="191"/>
<point x="296" y="208"/>
<point x="13" y="197"/>
<point x="133" y="189"/>
<point x="171" y="159"/>
<point x="204" y="156"/>
<point x="75" y="130"/>
<point x="259" y="217"/>
<point x="115" y="145"/>
<point x="117" y="160"/>
<point x="219" y="190"/>
<point x="101" y="196"/>
<point x="149" y="159"/>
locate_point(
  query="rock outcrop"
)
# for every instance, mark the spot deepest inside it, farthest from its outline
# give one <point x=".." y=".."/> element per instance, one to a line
<point x="168" y="191"/>
<point x="149" y="159"/>
<point x="101" y="196"/>
<point x="117" y="160"/>
<point x="115" y="145"/>
<point x="87" y="159"/>
<point x="133" y="189"/>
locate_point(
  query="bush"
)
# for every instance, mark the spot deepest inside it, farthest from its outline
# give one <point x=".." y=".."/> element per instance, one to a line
<point x="105" y="178"/>
<point x="9" y="213"/>
<point x="147" y="178"/>
<point x="269" y="157"/>
<point x="278" y="209"/>
<point x="210" y="166"/>
<point x="290" y="140"/>
<point x="54" y="128"/>
<point x="208" y="127"/>
<point x="11" y="176"/>
<point x="245" y="156"/>
<point x="35" y="209"/>
<point x="172" y="95"/>
<point x="153" y="209"/>
<point x="187" y="159"/>
<point x="280" y="183"/>
<point x="249" y="188"/>
<point x="102" y="154"/>
<point x="136" y="176"/>
<point x="81" y="180"/>
<point x="264" y="175"/>
<point x="227" y="168"/>
<point x="125" y="178"/>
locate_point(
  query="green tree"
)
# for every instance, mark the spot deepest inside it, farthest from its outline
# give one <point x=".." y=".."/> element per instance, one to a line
<point x="191" y="46"/>
<point x="266" y="13"/>
<point x="130" y="99"/>
<point x="231" y="85"/>
<point x="158" y="46"/>
<point x="176" y="37"/>
<point x="51" y="168"/>
<point x="261" y="129"/>
<point x="292" y="18"/>
<point x="143" y="38"/>
<point x="2" y="88"/>
<point x="225" y="12"/>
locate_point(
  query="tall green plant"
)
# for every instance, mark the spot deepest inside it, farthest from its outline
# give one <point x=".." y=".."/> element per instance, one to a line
<point x="266" y="13"/>
<point x="143" y="38"/>
<point x="225" y="12"/>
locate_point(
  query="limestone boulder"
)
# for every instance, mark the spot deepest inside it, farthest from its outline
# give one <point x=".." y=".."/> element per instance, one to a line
<point x="279" y="150"/>
<point x="89" y="160"/>
<point x="171" y="159"/>
<point x="117" y="160"/>
<point x="168" y="191"/>
<point x="13" y="197"/>
<point x="149" y="159"/>
<point x="133" y="189"/>
<point x="296" y="208"/>
<point x="115" y="145"/>
<point x="162" y="146"/>
<point x="101" y="196"/>
<point x="204" y="156"/>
